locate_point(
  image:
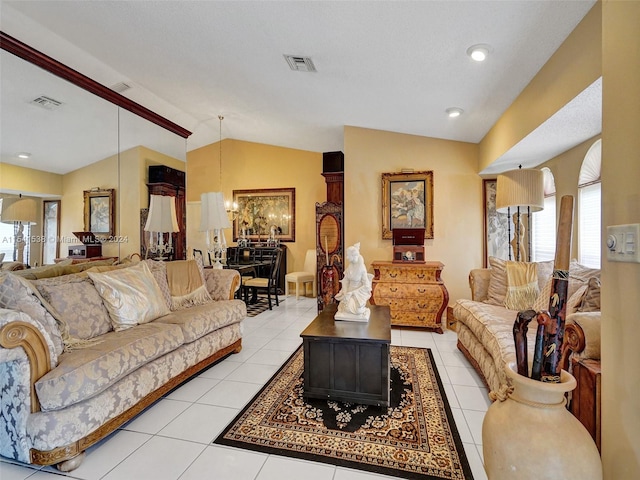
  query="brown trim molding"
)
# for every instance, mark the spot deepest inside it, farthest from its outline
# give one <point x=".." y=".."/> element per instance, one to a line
<point x="24" y="51"/>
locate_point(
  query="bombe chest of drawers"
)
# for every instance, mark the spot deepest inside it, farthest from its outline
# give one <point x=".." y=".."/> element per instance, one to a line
<point x="414" y="292"/>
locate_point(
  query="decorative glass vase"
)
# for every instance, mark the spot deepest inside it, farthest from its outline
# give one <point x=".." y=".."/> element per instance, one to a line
<point x="528" y="433"/>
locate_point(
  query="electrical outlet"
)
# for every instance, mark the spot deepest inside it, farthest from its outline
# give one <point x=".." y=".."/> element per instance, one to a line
<point x="623" y="243"/>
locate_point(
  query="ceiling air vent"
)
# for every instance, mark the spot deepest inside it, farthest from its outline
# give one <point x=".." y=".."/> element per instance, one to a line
<point x="120" y="87"/>
<point x="300" y="64"/>
<point x="46" y="102"/>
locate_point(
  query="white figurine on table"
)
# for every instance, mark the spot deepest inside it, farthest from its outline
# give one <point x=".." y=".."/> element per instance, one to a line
<point x="355" y="288"/>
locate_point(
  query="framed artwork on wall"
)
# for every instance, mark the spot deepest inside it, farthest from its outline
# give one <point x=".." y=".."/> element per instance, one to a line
<point x="407" y="202"/>
<point x="99" y="212"/>
<point x="265" y="212"/>
<point x="496" y="225"/>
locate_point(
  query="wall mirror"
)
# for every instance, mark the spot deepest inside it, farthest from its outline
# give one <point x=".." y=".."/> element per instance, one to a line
<point x="63" y="122"/>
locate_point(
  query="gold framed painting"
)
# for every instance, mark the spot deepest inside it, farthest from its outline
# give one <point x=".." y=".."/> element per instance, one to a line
<point x="99" y="212"/>
<point x="407" y="202"/>
<point x="264" y="213"/>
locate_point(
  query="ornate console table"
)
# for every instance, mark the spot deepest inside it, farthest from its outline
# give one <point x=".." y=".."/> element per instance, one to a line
<point x="414" y="292"/>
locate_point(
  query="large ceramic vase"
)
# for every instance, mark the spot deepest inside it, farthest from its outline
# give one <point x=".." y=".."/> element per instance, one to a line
<point x="528" y="433"/>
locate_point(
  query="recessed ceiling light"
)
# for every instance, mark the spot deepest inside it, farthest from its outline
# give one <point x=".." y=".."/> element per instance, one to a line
<point x="479" y="52"/>
<point x="454" y="112"/>
<point x="24" y="155"/>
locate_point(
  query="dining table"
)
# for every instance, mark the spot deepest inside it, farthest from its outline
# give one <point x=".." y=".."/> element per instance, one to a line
<point x="245" y="267"/>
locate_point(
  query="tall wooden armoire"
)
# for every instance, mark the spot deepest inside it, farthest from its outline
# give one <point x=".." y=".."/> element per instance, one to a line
<point x="165" y="180"/>
<point x="330" y="230"/>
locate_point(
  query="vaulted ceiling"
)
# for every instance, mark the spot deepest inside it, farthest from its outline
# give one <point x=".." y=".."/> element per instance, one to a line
<point x="388" y="65"/>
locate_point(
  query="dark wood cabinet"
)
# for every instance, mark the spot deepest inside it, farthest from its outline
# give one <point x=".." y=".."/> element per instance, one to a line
<point x="348" y="361"/>
<point x="585" y="398"/>
<point x="164" y="180"/>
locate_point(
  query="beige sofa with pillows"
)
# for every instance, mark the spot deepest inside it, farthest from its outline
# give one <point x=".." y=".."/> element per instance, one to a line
<point x="485" y="324"/>
<point x="84" y="351"/>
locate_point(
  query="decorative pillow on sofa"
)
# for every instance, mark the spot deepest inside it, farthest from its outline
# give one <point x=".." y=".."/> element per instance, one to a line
<point x="17" y="294"/>
<point x="76" y="302"/>
<point x="579" y="275"/>
<point x="591" y="298"/>
<point x="159" y="272"/>
<point x="498" y="279"/>
<point x="522" y="285"/>
<point x="187" y="285"/>
<point x="131" y="295"/>
<point x="573" y="302"/>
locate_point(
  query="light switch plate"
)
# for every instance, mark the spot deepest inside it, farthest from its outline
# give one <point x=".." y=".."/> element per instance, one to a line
<point x="623" y="243"/>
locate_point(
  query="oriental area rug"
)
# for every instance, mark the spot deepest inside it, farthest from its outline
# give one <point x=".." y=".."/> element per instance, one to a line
<point x="261" y="305"/>
<point x="414" y="438"/>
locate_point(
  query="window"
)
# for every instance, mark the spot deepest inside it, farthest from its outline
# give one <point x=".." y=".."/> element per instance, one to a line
<point x="9" y="232"/>
<point x="7" y="241"/>
<point x="51" y="226"/>
<point x="543" y="223"/>
<point x="589" y="207"/>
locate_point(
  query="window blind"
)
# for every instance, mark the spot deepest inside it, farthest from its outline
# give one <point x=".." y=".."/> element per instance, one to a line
<point x="589" y="225"/>
<point x="543" y="226"/>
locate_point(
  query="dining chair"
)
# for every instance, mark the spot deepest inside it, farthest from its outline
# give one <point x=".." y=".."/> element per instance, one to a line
<point x="269" y="283"/>
<point x="197" y="251"/>
<point x="303" y="277"/>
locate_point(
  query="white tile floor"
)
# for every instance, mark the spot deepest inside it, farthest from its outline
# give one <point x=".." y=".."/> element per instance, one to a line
<point x="172" y="439"/>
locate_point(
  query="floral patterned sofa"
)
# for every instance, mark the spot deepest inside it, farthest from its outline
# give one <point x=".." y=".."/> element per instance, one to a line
<point x="82" y="353"/>
<point x="485" y="325"/>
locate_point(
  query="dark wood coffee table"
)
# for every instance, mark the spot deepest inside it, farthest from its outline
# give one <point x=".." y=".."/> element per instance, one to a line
<point x="348" y="361"/>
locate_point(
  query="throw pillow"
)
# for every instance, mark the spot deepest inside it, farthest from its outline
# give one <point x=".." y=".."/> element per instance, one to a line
<point x="497" y="282"/>
<point x="186" y="283"/>
<point x="522" y="285"/>
<point x="77" y="302"/>
<point x="131" y="295"/>
<point x="575" y="300"/>
<point x="17" y="294"/>
<point x="579" y="275"/>
<point x="591" y="299"/>
<point x="159" y="272"/>
<point x="542" y="300"/>
<point x="498" y="279"/>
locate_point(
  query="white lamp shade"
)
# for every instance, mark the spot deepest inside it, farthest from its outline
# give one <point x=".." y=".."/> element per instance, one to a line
<point x="162" y="214"/>
<point x="19" y="209"/>
<point x="213" y="214"/>
<point x="520" y="188"/>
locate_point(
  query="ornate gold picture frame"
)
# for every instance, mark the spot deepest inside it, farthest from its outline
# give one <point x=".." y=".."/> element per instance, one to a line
<point x="262" y="211"/>
<point x="407" y="202"/>
<point x="99" y="212"/>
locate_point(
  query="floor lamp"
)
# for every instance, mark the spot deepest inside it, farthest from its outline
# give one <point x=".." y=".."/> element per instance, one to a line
<point x="213" y="219"/>
<point x="161" y="219"/>
<point x="520" y="191"/>
<point x="19" y="211"/>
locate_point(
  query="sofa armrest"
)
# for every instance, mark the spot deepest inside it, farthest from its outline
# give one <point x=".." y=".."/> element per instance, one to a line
<point x="589" y="325"/>
<point x="479" y="283"/>
<point x="19" y="330"/>
<point x="221" y="283"/>
<point x="581" y="337"/>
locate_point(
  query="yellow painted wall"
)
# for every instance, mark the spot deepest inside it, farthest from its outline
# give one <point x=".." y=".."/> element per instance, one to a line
<point x="457" y="198"/>
<point x="102" y="174"/>
<point x="128" y="174"/>
<point x="571" y="69"/>
<point x="17" y="179"/>
<point x="247" y="165"/>
<point x="621" y="205"/>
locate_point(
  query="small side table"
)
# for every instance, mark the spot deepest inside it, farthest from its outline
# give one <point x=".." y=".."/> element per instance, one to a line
<point x="348" y="361"/>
